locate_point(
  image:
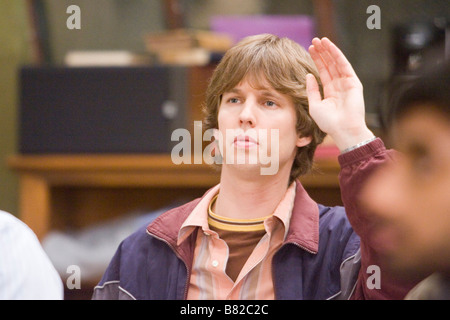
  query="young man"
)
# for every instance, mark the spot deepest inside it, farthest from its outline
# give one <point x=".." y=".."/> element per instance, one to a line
<point x="410" y="197"/>
<point x="255" y="235"/>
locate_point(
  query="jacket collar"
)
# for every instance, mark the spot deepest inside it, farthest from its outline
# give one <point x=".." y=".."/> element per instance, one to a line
<point x="303" y="227"/>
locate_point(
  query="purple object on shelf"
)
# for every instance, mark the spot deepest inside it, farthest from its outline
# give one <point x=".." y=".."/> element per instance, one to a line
<point x="299" y="28"/>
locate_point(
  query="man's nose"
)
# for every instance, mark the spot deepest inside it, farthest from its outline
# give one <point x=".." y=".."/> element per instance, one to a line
<point x="247" y="115"/>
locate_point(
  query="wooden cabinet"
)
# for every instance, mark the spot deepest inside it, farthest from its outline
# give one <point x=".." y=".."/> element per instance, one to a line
<point x="73" y="191"/>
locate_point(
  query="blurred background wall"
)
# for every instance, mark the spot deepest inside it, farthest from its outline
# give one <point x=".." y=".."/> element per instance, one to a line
<point x="121" y="24"/>
<point x="15" y="51"/>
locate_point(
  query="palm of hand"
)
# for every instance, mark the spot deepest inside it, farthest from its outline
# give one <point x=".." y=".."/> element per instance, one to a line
<point x="341" y="112"/>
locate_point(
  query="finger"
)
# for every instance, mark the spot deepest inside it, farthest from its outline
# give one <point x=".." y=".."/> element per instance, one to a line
<point x="342" y="64"/>
<point x="312" y="90"/>
<point x="328" y="59"/>
<point x="321" y="67"/>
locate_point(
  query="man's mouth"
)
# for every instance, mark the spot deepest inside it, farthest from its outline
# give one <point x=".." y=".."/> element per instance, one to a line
<point x="244" y="141"/>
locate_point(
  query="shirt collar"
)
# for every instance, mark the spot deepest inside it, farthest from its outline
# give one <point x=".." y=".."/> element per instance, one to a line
<point x="284" y="209"/>
<point x="199" y="216"/>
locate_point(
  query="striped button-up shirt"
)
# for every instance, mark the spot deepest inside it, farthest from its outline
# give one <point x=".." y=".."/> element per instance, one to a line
<point x="208" y="277"/>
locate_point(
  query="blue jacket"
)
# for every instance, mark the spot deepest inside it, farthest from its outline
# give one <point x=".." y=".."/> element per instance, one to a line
<point x="321" y="257"/>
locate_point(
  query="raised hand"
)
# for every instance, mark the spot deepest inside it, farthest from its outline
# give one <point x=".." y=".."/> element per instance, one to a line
<point x="341" y="113"/>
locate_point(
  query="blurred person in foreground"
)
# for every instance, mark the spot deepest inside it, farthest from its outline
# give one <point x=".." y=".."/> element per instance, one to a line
<point x="410" y="197"/>
<point x="26" y="272"/>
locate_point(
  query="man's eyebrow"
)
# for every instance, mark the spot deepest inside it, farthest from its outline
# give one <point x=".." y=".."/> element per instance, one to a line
<point x="271" y="94"/>
<point x="234" y="90"/>
<point x="264" y="92"/>
<point x="268" y="93"/>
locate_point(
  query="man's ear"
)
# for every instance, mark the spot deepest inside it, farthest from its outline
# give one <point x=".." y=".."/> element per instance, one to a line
<point x="303" y="141"/>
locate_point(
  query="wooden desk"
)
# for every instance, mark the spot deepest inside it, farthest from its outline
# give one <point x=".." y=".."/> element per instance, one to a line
<point x="74" y="191"/>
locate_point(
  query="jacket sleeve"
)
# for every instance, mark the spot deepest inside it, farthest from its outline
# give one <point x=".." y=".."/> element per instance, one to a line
<point x="109" y="286"/>
<point x="356" y="166"/>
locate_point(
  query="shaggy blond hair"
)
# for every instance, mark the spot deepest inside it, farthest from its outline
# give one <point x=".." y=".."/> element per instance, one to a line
<point x="284" y="64"/>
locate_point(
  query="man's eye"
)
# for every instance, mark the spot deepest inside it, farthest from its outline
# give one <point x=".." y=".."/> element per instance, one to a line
<point x="233" y="100"/>
<point x="421" y="160"/>
<point x="270" y="103"/>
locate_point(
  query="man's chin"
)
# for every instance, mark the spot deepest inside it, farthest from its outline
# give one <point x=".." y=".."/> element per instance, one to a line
<point x="252" y="170"/>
